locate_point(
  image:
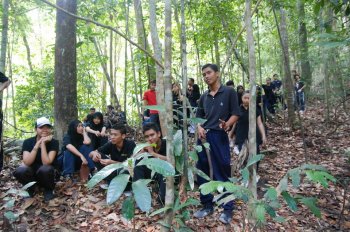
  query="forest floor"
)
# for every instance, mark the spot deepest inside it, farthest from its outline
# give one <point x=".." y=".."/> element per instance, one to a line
<point x="77" y="208"/>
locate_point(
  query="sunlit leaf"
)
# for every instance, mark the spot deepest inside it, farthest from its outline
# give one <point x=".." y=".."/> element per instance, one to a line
<point x="142" y="194"/>
<point x="117" y="187"/>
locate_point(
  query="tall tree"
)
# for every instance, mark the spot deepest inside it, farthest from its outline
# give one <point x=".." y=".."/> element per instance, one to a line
<point x="4" y="32"/>
<point x="304" y="51"/>
<point x="65" y="68"/>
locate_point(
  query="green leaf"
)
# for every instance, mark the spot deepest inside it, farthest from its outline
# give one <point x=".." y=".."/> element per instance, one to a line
<point x="290" y="201"/>
<point x="10" y="204"/>
<point x="189" y="201"/>
<point x="227" y="199"/>
<point x="270" y="210"/>
<point x="260" y="212"/>
<point x="160" y="166"/>
<point x="283" y="185"/>
<point x="161" y="210"/>
<point x="197" y="120"/>
<point x="199" y="148"/>
<point x="310" y="202"/>
<point x="279" y="219"/>
<point x="142" y="194"/>
<point x="201" y="174"/>
<point x="295" y="176"/>
<point x="11" y="216"/>
<point x="190" y="178"/>
<point x="320" y="177"/>
<point x="177" y="143"/>
<point x="128" y="208"/>
<point x="12" y="191"/>
<point x="254" y="159"/>
<point x="117" y="187"/>
<point x="210" y="187"/>
<point x="206" y="145"/>
<point x="160" y="108"/>
<point x="103" y="173"/>
<point x="23" y="193"/>
<point x="245" y="175"/>
<point x="30" y="184"/>
<point x="193" y="155"/>
<point x="179" y="163"/>
<point x="139" y="147"/>
<point x="271" y="194"/>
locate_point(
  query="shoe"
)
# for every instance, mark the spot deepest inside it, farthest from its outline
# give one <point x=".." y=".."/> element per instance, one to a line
<point x="204" y="212"/>
<point x="48" y="195"/>
<point x="226" y="217"/>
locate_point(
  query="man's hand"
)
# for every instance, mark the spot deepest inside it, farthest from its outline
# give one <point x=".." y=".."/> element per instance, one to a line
<point x="223" y="125"/>
<point x="105" y="162"/>
<point x="201" y="132"/>
<point x="97" y="133"/>
<point x="95" y="156"/>
<point x="104" y="134"/>
<point x="83" y="160"/>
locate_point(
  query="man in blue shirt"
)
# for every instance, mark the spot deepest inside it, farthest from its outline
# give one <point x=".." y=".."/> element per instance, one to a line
<point x="219" y="106"/>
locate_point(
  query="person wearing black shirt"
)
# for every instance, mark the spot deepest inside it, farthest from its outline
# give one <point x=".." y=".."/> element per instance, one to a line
<point x="97" y="131"/>
<point x="219" y="106"/>
<point x="299" y="94"/>
<point x="240" y="90"/>
<point x="193" y="93"/>
<point x="269" y="99"/>
<point x="177" y="105"/>
<point x="115" y="151"/>
<point x="153" y="135"/>
<point x="76" y="149"/>
<point x="90" y="116"/>
<point x="39" y="153"/>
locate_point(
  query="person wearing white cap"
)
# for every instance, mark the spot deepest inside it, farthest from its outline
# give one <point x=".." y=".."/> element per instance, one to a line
<point x="39" y="153"/>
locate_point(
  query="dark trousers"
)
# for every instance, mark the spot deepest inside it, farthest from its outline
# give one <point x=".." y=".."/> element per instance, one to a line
<point x="71" y="162"/>
<point x="300" y="100"/>
<point x="220" y="159"/>
<point x="142" y="172"/>
<point x="43" y="175"/>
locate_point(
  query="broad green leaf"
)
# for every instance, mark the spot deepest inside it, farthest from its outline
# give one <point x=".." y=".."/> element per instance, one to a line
<point x="190" y="178"/>
<point x="260" y="212"/>
<point x="11" y="216"/>
<point x="245" y="175"/>
<point x="193" y="155"/>
<point x="189" y="201"/>
<point x="160" y="166"/>
<point x="23" y="193"/>
<point x="201" y="174"/>
<point x="270" y="210"/>
<point x="179" y="163"/>
<point x="10" y="204"/>
<point x="227" y="199"/>
<point x="161" y="210"/>
<point x="295" y="176"/>
<point x="139" y="147"/>
<point x="254" y="159"/>
<point x="210" y="187"/>
<point x="283" y="185"/>
<point x="271" y="194"/>
<point x="320" y="177"/>
<point x="128" y="208"/>
<point x="12" y="191"/>
<point x="290" y="201"/>
<point x="142" y="194"/>
<point x="177" y="143"/>
<point x="197" y="120"/>
<point x="30" y="184"/>
<point x="199" y="148"/>
<point x="160" y="108"/>
<point x="103" y="173"/>
<point x="117" y="187"/>
<point x="310" y="202"/>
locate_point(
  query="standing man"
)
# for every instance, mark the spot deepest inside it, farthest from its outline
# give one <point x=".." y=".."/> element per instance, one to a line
<point x="299" y="94"/>
<point x="277" y="84"/>
<point x="269" y="99"/>
<point x="150" y="99"/>
<point x="39" y="153"/>
<point x="193" y="93"/>
<point x="219" y="106"/>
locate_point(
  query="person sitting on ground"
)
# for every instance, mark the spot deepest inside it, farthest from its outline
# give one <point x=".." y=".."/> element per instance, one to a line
<point x="89" y="117"/>
<point x="242" y="126"/>
<point x="117" y="150"/>
<point x="153" y="135"/>
<point x="97" y="131"/>
<point x="76" y="149"/>
<point x="39" y="153"/>
<point x="121" y="115"/>
<point x="4" y="81"/>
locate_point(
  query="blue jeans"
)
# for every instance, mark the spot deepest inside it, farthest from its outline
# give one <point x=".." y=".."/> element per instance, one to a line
<point x="300" y="100"/>
<point x="71" y="162"/>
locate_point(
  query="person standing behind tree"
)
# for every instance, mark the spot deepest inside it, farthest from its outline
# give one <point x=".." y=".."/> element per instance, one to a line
<point x="277" y="85"/>
<point x="150" y="99"/>
<point x="177" y="105"/>
<point x="299" y="94"/>
<point x="269" y="99"/>
<point x="193" y="93"/>
<point x="39" y="153"/>
<point x="219" y="106"/>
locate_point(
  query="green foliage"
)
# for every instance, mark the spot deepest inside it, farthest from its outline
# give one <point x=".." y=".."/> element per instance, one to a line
<point x="320" y="177"/>
<point x="142" y="194"/>
<point x="128" y="208"/>
<point x="160" y="166"/>
<point x="290" y="201"/>
<point x="117" y="187"/>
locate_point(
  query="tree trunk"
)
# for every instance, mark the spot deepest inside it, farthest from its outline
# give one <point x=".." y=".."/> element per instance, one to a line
<point x="158" y="54"/>
<point x="65" y="84"/>
<point x="304" y="53"/>
<point x="126" y="5"/>
<point x="135" y="85"/>
<point x="111" y="72"/>
<point x="26" y="44"/>
<point x="282" y="29"/>
<point x="170" y="189"/>
<point x="217" y="52"/>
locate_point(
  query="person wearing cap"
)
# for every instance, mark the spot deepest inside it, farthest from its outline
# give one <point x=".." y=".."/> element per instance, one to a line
<point x="39" y="153"/>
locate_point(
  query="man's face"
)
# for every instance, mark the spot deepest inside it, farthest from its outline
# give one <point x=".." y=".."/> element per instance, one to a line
<point x="152" y="136"/>
<point x="116" y="136"/>
<point x="43" y="131"/>
<point x="152" y="86"/>
<point x="190" y="83"/>
<point x="210" y="76"/>
<point x="92" y="111"/>
<point x="275" y="77"/>
<point x="268" y="81"/>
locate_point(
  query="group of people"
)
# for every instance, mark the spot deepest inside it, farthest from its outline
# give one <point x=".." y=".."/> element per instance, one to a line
<point x="86" y="144"/>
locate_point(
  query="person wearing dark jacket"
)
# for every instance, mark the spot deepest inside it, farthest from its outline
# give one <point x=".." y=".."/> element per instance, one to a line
<point x="97" y="131"/>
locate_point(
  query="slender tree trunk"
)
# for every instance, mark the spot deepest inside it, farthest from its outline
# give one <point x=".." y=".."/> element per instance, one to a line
<point x="170" y="189"/>
<point x="65" y="91"/>
<point x="304" y="53"/>
<point x="217" y="52"/>
<point x="135" y="85"/>
<point x="282" y="29"/>
<point x="111" y="72"/>
<point x="126" y="5"/>
<point x="26" y="44"/>
<point x="158" y="53"/>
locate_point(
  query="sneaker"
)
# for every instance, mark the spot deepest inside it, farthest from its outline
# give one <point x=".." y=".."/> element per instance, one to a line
<point x="204" y="212"/>
<point x="226" y="217"/>
<point x="48" y="195"/>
